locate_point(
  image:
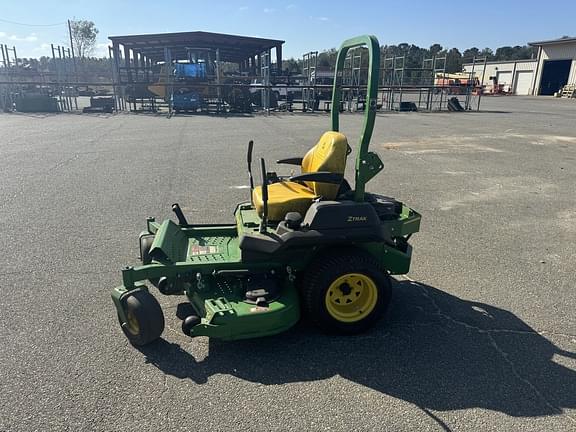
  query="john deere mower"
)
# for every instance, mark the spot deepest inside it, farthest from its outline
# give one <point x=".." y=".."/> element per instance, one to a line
<point x="308" y="245"/>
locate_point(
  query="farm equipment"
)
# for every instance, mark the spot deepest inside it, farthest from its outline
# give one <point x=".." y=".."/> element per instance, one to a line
<point x="306" y="245"/>
<point x="193" y="86"/>
<point x="456" y="83"/>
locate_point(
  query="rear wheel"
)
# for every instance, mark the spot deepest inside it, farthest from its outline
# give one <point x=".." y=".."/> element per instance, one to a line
<point x="144" y="318"/>
<point x="346" y="292"/>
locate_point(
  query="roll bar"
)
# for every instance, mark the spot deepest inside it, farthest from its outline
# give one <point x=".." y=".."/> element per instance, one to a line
<point x="367" y="164"/>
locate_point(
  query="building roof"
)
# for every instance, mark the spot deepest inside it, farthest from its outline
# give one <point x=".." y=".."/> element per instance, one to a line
<point x="491" y="62"/>
<point x="553" y="41"/>
<point x="232" y="48"/>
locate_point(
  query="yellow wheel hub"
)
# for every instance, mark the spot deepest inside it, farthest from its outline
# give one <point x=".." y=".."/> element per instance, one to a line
<point x="351" y="297"/>
<point x="132" y="323"/>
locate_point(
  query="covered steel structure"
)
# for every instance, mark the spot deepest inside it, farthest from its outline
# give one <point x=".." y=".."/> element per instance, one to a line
<point x="556" y="65"/>
<point x="146" y="49"/>
<point x="136" y="59"/>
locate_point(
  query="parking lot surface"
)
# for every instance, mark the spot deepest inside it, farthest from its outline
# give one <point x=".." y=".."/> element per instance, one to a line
<point x="480" y="336"/>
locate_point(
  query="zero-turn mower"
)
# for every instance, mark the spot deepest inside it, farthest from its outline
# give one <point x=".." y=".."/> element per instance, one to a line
<point x="306" y="245"/>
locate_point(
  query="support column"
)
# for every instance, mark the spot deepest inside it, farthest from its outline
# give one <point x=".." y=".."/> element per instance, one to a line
<point x="142" y="66"/>
<point x="168" y="79"/>
<point x="128" y="67"/>
<point x="279" y="59"/>
<point x="127" y="63"/>
<point x="137" y="58"/>
<point x="116" y="75"/>
<point x="3" y="56"/>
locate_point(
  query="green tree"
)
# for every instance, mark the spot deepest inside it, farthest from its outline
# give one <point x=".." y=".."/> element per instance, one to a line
<point x="488" y="53"/>
<point x="327" y="59"/>
<point x="453" y="61"/>
<point x="470" y="53"/>
<point x="83" y="37"/>
<point x="291" y="66"/>
<point x="434" y="49"/>
<point x="504" y="53"/>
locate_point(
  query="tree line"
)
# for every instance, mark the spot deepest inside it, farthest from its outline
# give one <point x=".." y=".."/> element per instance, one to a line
<point x="100" y="69"/>
<point x="414" y="56"/>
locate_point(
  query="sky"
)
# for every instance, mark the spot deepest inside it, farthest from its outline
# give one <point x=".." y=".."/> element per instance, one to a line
<point x="304" y="25"/>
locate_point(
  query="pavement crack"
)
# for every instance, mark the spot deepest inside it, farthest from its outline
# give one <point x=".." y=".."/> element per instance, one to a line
<point x="162" y="397"/>
<point x="503" y="354"/>
<point x="512" y="366"/>
<point x="165" y="389"/>
<point x="62" y="163"/>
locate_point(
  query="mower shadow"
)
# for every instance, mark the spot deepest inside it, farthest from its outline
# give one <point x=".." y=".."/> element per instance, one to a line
<point x="437" y="351"/>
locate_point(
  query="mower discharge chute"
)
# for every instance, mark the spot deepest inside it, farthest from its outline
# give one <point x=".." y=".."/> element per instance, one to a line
<point x="306" y="244"/>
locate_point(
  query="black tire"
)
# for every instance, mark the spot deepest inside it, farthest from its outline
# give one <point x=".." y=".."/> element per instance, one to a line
<point x="145" y="246"/>
<point x="189" y="322"/>
<point x="327" y="270"/>
<point x="145" y="320"/>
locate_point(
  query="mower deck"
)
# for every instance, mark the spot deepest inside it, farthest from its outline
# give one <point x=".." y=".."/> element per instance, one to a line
<point x="207" y="264"/>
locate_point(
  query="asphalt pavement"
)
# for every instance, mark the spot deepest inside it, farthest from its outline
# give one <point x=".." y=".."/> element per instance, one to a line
<point x="481" y="334"/>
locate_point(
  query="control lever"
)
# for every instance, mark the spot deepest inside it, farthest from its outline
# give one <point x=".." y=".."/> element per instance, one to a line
<point x="178" y="211"/>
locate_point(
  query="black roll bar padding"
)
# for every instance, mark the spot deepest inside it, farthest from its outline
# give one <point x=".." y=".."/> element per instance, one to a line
<point x="179" y="214"/>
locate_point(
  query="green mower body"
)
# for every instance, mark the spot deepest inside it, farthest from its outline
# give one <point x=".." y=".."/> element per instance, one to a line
<point x="255" y="277"/>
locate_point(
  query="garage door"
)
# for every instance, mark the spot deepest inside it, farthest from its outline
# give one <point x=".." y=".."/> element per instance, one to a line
<point x="554" y="75"/>
<point x="523" y="82"/>
<point x="504" y="77"/>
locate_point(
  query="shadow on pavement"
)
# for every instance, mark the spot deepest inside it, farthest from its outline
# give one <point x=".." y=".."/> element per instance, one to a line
<point x="436" y="351"/>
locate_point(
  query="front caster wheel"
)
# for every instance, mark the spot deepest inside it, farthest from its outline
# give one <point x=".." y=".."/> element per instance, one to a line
<point x="144" y="318"/>
<point x="345" y="291"/>
<point x="146" y="241"/>
<point x="145" y="246"/>
<point x="189" y="322"/>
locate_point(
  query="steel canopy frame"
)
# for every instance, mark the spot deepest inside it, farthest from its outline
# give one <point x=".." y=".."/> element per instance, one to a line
<point x="233" y="48"/>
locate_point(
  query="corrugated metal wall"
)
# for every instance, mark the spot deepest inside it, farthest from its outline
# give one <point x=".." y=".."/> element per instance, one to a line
<point x="562" y="51"/>
<point x="494" y="68"/>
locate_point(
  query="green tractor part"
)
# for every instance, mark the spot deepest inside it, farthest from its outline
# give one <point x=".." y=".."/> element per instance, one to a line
<point x="308" y="245"/>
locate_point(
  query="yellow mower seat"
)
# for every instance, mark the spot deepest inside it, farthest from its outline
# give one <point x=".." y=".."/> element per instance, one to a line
<point x="329" y="154"/>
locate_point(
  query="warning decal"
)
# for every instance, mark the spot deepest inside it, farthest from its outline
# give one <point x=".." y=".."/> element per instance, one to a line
<point x="203" y="250"/>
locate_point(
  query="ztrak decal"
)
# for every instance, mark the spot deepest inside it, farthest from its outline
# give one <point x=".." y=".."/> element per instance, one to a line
<point x="357" y="218"/>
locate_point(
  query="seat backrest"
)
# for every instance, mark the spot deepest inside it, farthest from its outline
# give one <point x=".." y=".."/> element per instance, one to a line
<point x="329" y="154"/>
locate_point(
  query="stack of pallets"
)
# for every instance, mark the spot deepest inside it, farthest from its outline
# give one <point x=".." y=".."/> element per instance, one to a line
<point x="568" y="91"/>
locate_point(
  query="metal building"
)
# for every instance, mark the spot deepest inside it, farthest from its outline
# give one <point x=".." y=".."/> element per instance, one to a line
<point x="514" y="76"/>
<point x="556" y="65"/>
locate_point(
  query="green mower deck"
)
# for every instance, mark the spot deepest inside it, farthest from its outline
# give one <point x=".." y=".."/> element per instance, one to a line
<point x="205" y="262"/>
